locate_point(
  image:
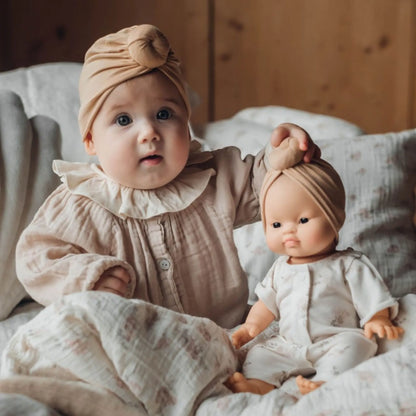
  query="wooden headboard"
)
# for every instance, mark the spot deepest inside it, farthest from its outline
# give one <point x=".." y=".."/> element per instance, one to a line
<point x="353" y="59"/>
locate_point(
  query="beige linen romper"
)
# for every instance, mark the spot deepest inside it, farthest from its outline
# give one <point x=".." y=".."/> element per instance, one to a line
<point x="176" y="242"/>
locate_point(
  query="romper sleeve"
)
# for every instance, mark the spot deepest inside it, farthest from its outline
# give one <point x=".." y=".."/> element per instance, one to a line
<point x="238" y="183"/>
<point x="266" y="291"/>
<point x="369" y="292"/>
<point x="66" y="248"/>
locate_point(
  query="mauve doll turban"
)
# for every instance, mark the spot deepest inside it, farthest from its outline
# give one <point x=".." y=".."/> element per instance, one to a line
<point x="118" y="57"/>
<point x="318" y="178"/>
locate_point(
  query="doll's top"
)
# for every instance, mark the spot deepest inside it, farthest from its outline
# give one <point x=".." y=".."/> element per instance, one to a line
<point x="315" y="300"/>
<point x="318" y="178"/>
<point x="118" y="57"/>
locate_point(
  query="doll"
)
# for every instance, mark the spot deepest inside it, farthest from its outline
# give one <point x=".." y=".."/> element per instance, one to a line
<point x="322" y="297"/>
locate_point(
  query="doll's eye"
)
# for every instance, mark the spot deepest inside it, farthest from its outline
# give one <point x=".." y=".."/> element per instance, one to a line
<point x="304" y="220"/>
<point x="123" y="120"/>
<point x="164" y="114"/>
<point x="276" y="225"/>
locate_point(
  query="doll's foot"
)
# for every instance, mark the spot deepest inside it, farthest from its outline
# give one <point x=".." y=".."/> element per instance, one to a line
<point x="237" y="383"/>
<point x="305" y="386"/>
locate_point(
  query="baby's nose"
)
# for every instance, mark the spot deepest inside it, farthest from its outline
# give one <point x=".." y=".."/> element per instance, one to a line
<point x="147" y="133"/>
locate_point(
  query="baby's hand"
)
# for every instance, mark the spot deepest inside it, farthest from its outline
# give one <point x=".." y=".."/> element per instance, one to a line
<point x="114" y="280"/>
<point x="383" y="327"/>
<point x="243" y="335"/>
<point x="286" y="130"/>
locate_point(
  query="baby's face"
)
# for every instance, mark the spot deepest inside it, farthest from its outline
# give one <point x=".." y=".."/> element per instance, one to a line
<point x="140" y="134"/>
<point x="295" y="225"/>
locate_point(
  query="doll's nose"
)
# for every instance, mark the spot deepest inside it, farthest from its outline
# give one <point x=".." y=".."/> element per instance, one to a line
<point x="289" y="228"/>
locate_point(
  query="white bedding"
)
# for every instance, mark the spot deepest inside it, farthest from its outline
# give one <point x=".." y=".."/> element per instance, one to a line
<point x="139" y="356"/>
<point x="379" y="172"/>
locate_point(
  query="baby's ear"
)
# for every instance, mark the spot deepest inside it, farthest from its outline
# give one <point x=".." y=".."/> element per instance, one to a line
<point x="89" y="144"/>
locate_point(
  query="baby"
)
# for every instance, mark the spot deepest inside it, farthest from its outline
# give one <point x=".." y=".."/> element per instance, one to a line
<point x="314" y="290"/>
<point x="154" y="219"/>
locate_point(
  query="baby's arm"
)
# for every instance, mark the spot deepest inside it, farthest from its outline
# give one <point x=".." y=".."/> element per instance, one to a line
<point x="66" y="250"/>
<point x="381" y="325"/>
<point x="286" y="130"/>
<point x="258" y="319"/>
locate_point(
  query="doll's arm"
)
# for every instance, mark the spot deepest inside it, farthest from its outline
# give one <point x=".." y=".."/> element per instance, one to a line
<point x="381" y="325"/>
<point x="258" y="319"/>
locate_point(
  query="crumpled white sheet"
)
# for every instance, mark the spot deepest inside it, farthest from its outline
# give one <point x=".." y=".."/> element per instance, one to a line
<point x="21" y="314"/>
<point x="383" y="385"/>
<point x="16" y="404"/>
<point x="118" y="356"/>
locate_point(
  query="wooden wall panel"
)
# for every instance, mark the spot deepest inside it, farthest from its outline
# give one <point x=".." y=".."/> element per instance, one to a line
<point x="354" y="59"/>
<point x="61" y="30"/>
<point x="412" y="64"/>
<point x="349" y="58"/>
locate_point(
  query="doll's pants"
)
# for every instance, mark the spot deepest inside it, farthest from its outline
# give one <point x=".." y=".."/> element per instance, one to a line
<point x="276" y="360"/>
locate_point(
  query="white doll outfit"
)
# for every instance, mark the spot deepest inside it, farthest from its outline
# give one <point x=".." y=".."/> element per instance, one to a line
<point x="320" y="307"/>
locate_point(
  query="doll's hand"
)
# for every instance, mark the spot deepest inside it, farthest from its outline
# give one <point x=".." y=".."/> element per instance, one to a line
<point x="243" y="335"/>
<point x="114" y="280"/>
<point x="383" y="327"/>
<point x="286" y="130"/>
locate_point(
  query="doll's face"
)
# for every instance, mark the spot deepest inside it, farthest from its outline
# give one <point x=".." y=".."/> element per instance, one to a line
<point x="295" y="225"/>
<point x="141" y="134"/>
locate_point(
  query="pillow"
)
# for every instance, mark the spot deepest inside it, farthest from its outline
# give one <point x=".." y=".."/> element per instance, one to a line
<point x="27" y="149"/>
<point x="379" y="175"/>
<point x="248" y="128"/>
<point x="51" y="89"/>
<point x="319" y="125"/>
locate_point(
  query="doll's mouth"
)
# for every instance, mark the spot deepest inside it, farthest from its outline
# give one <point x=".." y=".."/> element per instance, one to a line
<point x="291" y="242"/>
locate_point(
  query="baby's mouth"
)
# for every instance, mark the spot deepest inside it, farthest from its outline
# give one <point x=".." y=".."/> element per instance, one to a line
<point x="151" y="159"/>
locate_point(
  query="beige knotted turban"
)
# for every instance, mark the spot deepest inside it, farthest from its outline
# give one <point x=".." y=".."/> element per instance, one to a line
<point x="318" y="178"/>
<point x="118" y="57"/>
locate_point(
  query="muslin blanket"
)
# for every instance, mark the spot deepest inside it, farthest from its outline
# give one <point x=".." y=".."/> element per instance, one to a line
<point x="95" y="353"/>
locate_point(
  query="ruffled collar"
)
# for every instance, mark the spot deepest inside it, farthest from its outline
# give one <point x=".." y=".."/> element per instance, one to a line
<point x="88" y="179"/>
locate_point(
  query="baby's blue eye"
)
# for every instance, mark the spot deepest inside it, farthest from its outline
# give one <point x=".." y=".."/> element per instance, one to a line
<point x="164" y="114"/>
<point x="304" y="220"/>
<point x="123" y="120"/>
<point x="276" y="225"/>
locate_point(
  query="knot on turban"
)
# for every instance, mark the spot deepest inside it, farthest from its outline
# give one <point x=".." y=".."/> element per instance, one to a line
<point x="118" y="57"/>
<point x="318" y="178"/>
<point x="148" y="46"/>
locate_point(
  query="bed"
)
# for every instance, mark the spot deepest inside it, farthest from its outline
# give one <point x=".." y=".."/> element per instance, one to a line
<point x="97" y="367"/>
